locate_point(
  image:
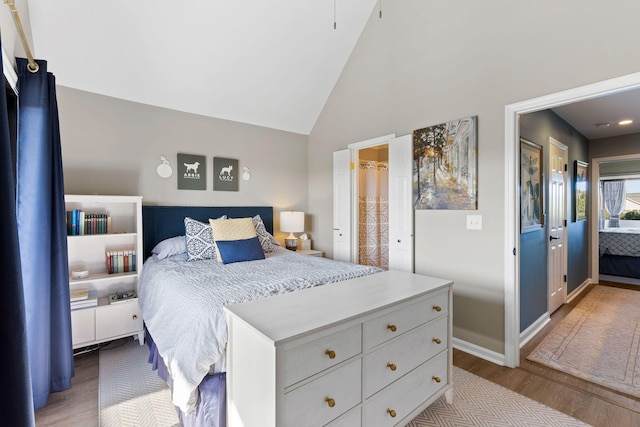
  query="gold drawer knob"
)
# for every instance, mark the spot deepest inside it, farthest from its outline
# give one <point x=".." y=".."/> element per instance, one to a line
<point x="437" y="308"/>
<point x="437" y="341"/>
<point x="392" y="328"/>
<point x="391" y="412"/>
<point x="436" y="379"/>
<point x="331" y="354"/>
<point x="391" y="366"/>
<point x="330" y="401"/>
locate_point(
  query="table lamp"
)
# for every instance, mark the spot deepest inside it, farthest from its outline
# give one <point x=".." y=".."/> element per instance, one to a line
<point x="291" y="222"/>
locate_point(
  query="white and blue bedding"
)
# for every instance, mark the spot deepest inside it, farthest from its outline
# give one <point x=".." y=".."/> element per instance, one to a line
<point x="182" y="305"/>
<point x="620" y="241"/>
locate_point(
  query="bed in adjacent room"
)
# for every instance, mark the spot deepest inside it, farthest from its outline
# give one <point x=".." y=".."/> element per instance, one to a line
<point x="620" y="252"/>
<point x="185" y="284"/>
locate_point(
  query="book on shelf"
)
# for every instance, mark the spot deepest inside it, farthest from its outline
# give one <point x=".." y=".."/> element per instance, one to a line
<point x="90" y="301"/>
<point x="121" y="261"/>
<point x="79" y="294"/>
<point x="80" y="223"/>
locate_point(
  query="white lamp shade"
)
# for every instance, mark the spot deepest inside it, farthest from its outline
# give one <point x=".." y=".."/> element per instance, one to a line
<point x="292" y="222"/>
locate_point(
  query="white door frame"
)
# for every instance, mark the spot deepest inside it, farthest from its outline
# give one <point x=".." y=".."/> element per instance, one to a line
<point x="512" y="203"/>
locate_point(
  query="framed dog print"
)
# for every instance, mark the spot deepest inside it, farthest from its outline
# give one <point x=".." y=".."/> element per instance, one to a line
<point x="225" y="174"/>
<point x="193" y="172"/>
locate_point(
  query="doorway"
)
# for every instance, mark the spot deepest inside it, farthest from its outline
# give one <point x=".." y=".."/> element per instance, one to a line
<point x="346" y="242"/>
<point x="373" y="206"/>
<point x="512" y="204"/>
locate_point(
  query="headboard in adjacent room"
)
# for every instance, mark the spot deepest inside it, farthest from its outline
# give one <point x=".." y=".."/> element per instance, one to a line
<point x="163" y="222"/>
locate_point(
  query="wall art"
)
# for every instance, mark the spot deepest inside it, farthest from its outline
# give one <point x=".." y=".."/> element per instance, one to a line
<point x="580" y="186"/>
<point x="225" y="174"/>
<point x="192" y="172"/>
<point x="531" y="186"/>
<point x="445" y="158"/>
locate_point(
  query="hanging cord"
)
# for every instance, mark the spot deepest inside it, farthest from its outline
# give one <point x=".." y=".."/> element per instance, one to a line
<point x="33" y="65"/>
<point x="334" y="15"/>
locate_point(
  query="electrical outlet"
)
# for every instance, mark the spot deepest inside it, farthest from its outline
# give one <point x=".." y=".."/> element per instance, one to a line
<point x="474" y="222"/>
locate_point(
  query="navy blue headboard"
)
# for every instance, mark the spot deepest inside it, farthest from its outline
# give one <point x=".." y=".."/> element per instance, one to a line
<point x="162" y="222"/>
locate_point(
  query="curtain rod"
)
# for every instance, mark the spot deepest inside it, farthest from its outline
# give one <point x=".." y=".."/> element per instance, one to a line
<point x="33" y="65"/>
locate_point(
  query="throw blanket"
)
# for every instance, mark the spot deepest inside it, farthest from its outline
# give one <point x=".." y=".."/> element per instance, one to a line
<point x="182" y="305"/>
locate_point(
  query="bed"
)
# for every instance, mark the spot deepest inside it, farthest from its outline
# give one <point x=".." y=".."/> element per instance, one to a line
<point x="182" y="301"/>
<point x="620" y="252"/>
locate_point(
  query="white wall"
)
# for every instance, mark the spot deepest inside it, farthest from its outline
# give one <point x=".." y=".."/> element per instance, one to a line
<point x="427" y="62"/>
<point x="10" y="39"/>
<point x="111" y="146"/>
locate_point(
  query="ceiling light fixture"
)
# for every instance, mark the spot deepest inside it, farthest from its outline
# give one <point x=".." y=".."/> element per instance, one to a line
<point x="602" y="125"/>
<point x="625" y="122"/>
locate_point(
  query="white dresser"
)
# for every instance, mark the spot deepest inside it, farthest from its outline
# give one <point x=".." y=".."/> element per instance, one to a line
<point x="373" y="351"/>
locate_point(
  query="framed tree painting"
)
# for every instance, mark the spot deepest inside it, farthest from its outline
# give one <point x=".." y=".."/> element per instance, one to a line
<point x="580" y="181"/>
<point x="445" y="172"/>
<point x="531" y="186"/>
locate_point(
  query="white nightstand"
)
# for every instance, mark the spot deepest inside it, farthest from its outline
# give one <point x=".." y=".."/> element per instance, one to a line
<point x="311" y="252"/>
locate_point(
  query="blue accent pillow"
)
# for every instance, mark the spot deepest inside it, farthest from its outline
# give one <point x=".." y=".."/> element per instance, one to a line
<point x="231" y="251"/>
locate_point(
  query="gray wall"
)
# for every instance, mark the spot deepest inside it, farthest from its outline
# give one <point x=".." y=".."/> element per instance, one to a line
<point x="428" y="62"/>
<point x="111" y="146"/>
<point x="616" y="146"/>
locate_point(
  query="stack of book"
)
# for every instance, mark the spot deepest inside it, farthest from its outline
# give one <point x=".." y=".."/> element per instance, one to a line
<point x="121" y="261"/>
<point x="80" y="223"/>
<point x="83" y="298"/>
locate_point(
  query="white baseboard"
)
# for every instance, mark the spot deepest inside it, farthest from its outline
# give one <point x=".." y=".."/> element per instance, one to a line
<point x="577" y="291"/>
<point x="532" y="331"/>
<point x="478" y="351"/>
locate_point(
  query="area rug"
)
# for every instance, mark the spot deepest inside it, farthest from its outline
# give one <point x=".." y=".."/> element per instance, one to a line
<point x="130" y="393"/>
<point x="481" y="403"/>
<point x="598" y="340"/>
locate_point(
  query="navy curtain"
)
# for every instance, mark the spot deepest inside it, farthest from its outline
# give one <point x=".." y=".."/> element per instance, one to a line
<point x="16" y="405"/>
<point x="42" y="233"/>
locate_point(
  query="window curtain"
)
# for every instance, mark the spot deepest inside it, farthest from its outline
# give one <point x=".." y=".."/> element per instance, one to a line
<point x="16" y="405"/>
<point x="614" y="195"/>
<point x="42" y="233"/>
<point x="373" y="214"/>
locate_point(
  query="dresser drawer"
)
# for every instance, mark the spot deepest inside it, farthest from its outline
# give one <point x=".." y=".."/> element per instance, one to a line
<point x="394" y="359"/>
<point x="350" y="419"/>
<point x="398" y="400"/>
<point x="315" y="356"/>
<point x="325" y="398"/>
<point x="118" y="319"/>
<point x="390" y="325"/>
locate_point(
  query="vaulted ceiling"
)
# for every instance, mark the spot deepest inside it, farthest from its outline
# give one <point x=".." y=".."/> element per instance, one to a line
<point x="271" y="64"/>
<point x="266" y="63"/>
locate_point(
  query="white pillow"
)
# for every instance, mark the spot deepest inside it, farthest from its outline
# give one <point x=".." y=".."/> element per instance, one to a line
<point x="169" y="247"/>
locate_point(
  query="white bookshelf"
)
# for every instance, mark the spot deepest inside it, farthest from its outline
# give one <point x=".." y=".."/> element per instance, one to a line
<point x="105" y="321"/>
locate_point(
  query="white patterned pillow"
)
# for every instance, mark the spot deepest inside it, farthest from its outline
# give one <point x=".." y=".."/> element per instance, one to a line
<point x="263" y="234"/>
<point x="200" y="243"/>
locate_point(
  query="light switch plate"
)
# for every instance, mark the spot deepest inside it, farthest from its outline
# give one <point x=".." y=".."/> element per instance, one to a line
<point x="474" y="222"/>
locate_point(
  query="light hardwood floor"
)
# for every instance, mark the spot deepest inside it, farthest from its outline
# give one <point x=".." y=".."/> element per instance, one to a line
<point x="593" y="404"/>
